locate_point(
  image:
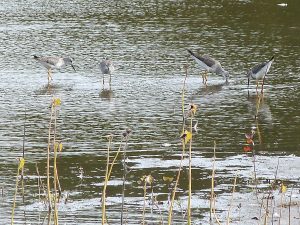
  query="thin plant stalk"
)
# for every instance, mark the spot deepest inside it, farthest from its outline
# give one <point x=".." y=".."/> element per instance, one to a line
<point x="15" y="196"/>
<point x="271" y="188"/>
<point x="144" y="206"/>
<point x="281" y="205"/>
<point x="105" y="182"/>
<point x="290" y="207"/>
<point x="55" y="146"/>
<point x="159" y="210"/>
<point x="175" y="186"/>
<point x="48" y="159"/>
<point x="125" y="171"/>
<point x="183" y="150"/>
<point x="212" y="192"/>
<point x="49" y="217"/>
<point x="23" y="155"/>
<point x="58" y="184"/>
<point x="214" y="212"/>
<point x="114" y="160"/>
<point x="231" y="201"/>
<point x="20" y="167"/>
<point x="190" y="175"/>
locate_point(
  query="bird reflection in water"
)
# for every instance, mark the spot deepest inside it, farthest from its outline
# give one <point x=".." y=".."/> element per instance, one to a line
<point x="106" y="94"/>
<point x="48" y="89"/>
<point x="261" y="111"/>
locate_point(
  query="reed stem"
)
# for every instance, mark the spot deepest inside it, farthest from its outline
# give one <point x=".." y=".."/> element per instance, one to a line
<point x="105" y="182"/>
<point x="48" y="159"/>
<point x="190" y="174"/>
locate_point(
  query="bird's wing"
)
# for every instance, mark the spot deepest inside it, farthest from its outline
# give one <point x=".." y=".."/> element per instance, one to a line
<point x="204" y="61"/>
<point x="209" y="60"/>
<point x="49" y="60"/>
<point x="104" y="67"/>
<point x="258" y="67"/>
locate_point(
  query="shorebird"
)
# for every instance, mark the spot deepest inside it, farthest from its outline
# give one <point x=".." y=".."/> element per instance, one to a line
<point x="106" y="67"/>
<point x="259" y="72"/>
<point x="53" y="63"/>
<point x="209" y="64"/>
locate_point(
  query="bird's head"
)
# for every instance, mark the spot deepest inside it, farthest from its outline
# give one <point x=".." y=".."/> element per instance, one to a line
<point x="69" y="61"/>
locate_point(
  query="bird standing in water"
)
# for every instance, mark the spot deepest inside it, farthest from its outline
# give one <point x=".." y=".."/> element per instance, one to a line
<point x="209" y="64"/>
<point x="259" y="72"/>
<point x="51" y="63"/>
<point x="106" y="67"/>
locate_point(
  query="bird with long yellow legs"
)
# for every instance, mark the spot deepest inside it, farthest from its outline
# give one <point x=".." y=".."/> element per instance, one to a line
<point x="259" y="72"/>
<point x="53" y="63"/>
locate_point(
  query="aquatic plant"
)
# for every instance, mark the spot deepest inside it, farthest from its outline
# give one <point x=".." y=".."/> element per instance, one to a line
<point x="147" y="180"/>
<point x="183" y="148"/>
<point x="109" y="168"/>
<point x="20" y="168"/>
<point x="109" y="137"/>
<point x="231" y="201"/>
<point x="189" y="138"/>
<point x="125" y="170"/>
<point x="186" y="137"/>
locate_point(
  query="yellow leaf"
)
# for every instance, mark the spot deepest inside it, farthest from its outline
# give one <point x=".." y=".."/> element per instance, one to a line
<point x="21" y="163"/>
<point x="186" y="136"/>
<point x="168" y="179"/>
<point x="60" y="146"/>
<point x="56" y="102"/>
<point x="283" y="188"/>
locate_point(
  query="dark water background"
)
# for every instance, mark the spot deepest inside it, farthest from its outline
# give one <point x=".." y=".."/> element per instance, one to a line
<point x="147" y="40"/>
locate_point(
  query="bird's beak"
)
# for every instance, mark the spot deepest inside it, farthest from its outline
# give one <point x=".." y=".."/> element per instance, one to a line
<point x="73" y="67"/>
<point x="248" y="82"/>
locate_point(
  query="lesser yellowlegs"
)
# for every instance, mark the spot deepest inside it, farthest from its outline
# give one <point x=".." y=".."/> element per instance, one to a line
<point x="209" y="64"/>
<point x="259" y="72"/>
<point x="53" y="63"/>
<point x="106" y="67"/>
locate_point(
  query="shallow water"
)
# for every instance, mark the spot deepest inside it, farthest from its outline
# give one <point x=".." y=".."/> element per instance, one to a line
<point x="148" y="42"/>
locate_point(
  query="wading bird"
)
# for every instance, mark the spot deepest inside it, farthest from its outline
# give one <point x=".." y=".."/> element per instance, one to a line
<point x="106" y="67"/>
<point x="53" y="63"/>
<point x="209" y="64"/>
<point x="259" y="72"/>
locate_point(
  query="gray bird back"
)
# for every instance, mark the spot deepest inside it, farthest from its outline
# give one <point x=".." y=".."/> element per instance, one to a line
<point x="258" y="67"/>
<point x="104" y="68"/>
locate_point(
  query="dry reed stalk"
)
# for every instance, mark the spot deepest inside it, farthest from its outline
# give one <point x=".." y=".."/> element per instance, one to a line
<point x="15" y="197"/>
<point x="48" y="159"/>
<point x="114" y="160"/>
<point x="231" y="201"/>
<point x="125" y="135"/>
<point x="189" y="215"/>
<point x="144" y="205"/>
<point x="55" y="171"/>
<point x="105" y="182"/>
<point x="183" y="150"/>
